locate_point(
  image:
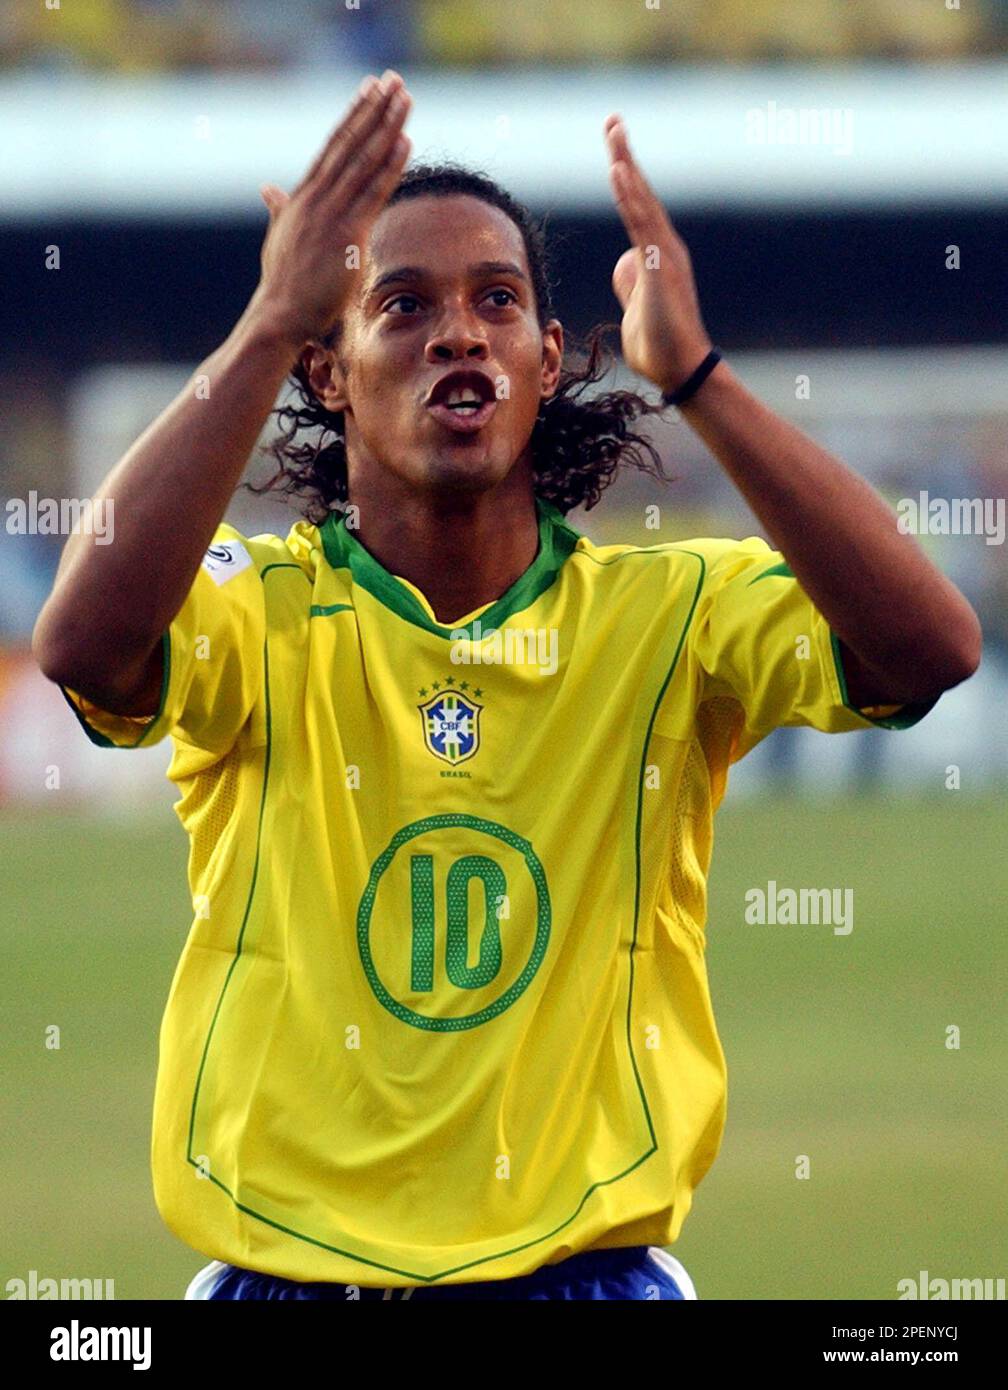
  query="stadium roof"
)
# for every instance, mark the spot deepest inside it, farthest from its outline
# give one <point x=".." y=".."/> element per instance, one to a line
<point x="724" y="137"/>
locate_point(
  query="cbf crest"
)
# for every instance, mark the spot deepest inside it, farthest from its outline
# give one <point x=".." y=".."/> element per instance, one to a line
<point x="451" y="721"/>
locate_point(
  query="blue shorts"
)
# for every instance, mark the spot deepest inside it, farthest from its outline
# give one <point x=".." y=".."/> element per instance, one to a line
<point x="639" y="1272"/>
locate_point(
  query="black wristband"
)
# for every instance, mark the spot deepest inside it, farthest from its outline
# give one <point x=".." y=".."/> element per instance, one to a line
<point x="693" y="383"/>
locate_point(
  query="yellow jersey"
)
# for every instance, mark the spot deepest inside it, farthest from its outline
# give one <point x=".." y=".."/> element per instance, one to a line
<point x="443" y="1013"/>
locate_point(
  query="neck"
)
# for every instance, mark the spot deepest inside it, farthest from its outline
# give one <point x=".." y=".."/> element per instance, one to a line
<point x="460" y="550"/>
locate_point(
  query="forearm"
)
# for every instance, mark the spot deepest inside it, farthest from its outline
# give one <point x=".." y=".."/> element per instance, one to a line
<point x="910" y="632"/>
<point x="906" y="623"/>
<point x="111" y="602"/>
<point x="102" y="625"/>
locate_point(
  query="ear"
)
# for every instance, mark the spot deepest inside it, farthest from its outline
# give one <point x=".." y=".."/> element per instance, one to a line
<point x="552" y="358"/>
<point x="325" y="376"/>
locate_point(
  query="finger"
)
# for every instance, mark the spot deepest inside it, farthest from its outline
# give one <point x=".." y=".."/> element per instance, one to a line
<point x="628" y="205"/>
<point x="617" y="139"/>
<point x="274" y="198"/>
<point x="359" y="129"/>
<point x="375" y="190"/>
<point x="643" y="215"/>
<point x="621" y="167"/>
<point x="369" y="160"/>
<point x="364" y="111"/>
<point x="364" y="93"/>
<point x="378" y="190"/>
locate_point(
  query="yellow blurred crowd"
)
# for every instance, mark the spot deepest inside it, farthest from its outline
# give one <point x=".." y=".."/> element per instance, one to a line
<point x="173" y="35"/>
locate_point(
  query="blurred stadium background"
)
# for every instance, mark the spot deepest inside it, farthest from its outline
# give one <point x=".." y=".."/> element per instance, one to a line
<point x="135" y="136"/>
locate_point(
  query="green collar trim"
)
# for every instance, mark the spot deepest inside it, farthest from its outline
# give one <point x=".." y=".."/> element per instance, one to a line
<point x="557" y="540"/>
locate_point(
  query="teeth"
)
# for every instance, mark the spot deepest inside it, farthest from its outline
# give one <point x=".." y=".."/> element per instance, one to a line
<point x="464" y="396"/>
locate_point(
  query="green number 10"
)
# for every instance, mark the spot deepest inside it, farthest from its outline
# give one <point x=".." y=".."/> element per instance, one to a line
<point x="460" y="973"/>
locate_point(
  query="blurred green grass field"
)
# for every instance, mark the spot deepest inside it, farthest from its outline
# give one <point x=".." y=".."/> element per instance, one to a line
<point x="836" y="1050"/>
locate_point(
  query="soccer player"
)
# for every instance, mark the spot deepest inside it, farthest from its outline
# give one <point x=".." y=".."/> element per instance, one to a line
<point x="441" y="1027"/>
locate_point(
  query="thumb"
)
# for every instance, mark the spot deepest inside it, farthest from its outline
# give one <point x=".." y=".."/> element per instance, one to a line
<point x="274" y="198"/>
<point x="624" y="277"/>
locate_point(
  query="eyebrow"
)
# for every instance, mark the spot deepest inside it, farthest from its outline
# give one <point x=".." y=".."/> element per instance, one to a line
<point x="411" y="274"/>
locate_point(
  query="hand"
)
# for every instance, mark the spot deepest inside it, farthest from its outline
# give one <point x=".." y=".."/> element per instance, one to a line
<point x="306" y="283"/>
<point x="664" y="338"/>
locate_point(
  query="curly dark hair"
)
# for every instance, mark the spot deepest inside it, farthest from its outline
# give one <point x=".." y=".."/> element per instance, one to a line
<point x="577" y="445"/>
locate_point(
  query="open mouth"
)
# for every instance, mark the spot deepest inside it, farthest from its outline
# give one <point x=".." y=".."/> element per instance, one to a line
<point x="462" y="401"/>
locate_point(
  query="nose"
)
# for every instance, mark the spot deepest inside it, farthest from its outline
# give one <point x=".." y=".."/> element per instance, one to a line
<point x="457" y="335"/>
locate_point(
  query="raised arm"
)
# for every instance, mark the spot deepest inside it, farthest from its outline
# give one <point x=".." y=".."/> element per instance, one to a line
<point x="907" y="632"/>
<point x="100" y="630"/>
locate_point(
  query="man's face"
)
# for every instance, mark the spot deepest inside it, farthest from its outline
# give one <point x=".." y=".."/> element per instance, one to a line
<point x="442" y="362"/>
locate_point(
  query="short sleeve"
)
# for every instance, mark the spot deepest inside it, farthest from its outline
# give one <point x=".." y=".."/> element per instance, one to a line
<point x="758" y="638"/>
<point x="213" y="660"/>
